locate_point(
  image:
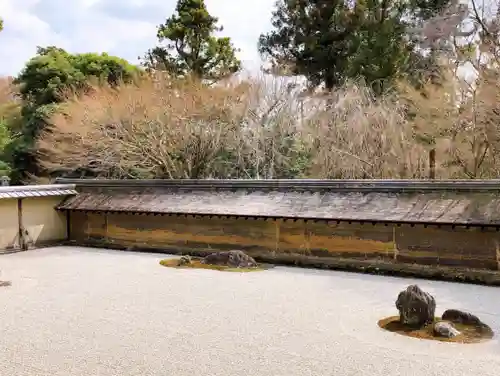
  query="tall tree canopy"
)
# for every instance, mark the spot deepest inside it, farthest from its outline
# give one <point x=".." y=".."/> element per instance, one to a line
<point x="47" y="76"/>
<point x="191" y="46"/>
<point x="328" y="41"/>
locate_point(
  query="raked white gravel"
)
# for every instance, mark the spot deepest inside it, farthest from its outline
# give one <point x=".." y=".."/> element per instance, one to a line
<point x="90" y="312"/>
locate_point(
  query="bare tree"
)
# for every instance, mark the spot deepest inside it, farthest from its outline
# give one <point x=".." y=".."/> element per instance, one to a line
<point x="250" y="129"/>
<point x="364" y="137"/>
<point x="466" y="124"/>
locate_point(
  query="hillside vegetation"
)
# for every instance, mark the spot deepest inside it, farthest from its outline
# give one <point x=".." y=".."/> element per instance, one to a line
<point x="348" y="91"/>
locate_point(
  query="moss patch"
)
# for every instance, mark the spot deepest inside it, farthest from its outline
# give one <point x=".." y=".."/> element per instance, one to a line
<point x="469" y="333"/>
<point x="197" y="264"/>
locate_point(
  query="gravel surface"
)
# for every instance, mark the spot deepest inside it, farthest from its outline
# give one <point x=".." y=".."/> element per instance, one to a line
<point x="75" y="311"/>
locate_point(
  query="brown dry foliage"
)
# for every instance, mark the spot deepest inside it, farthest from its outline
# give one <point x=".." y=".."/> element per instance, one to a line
<point x="155" y="129"/>
<point x="10" y="106"/>
<point x="461" y="117"/>
<point x="7" y="92"/>
<point x="361" y="136"/>
<point x="462" y="123"/>
<point x="249" y="130"/>
<point x="254" y="129"/>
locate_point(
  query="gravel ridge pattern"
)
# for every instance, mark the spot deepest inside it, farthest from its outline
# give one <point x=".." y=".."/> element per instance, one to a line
<point x="92" y="312"/>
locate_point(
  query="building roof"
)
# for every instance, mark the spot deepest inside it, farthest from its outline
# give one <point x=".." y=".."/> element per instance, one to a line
<point x="389" y="201"/>
<point x="25" y="191"/>
<point x="386" y="185"/>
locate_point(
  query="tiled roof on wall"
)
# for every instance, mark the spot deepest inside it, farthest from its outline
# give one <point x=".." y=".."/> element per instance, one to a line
<point x="25" y="191"/>
<point x="357" y="203"/>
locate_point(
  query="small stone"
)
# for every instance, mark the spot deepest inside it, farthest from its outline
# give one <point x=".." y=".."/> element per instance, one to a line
<point x="184" y="260"/>
<point x="234" y="259"/>
<point x="416" y="307"/>
<point x="460" y="317"/>
<point x="445" y="329"/>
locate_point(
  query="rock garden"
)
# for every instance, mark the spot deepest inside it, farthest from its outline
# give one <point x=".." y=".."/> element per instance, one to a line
<point x="230" y="261"/>
<point x="417" y="319"/>
<point x="417" y="308"/>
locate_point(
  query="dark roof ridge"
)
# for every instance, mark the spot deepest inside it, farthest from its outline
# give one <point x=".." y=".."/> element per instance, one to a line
<point x="389" y="185"/>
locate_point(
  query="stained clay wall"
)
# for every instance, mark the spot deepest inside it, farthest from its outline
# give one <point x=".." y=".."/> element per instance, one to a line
<point x="419" y="244"/>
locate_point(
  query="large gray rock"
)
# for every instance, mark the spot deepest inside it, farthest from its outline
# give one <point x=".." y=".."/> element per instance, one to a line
<point x="416" y="307"/>
<point x="445" y="329"/>
<point x="461" y="317"/>
<point x="235" y="259"/>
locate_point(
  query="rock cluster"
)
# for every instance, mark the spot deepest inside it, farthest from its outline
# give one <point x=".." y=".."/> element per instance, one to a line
<point x="416" y="307"/>
<point x="184" y="260"/>
<point x="234" y="259"/>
